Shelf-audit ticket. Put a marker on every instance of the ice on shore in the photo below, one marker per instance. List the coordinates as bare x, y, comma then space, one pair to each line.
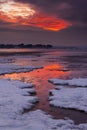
6, 60
74, 98
38, 120
11, 68
75, 81
15, 96
22, 84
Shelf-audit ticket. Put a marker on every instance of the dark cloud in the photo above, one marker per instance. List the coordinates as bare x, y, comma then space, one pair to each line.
74, 11
70, 36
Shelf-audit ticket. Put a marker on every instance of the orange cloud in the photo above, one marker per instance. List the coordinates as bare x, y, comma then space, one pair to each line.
47, 22
24, 14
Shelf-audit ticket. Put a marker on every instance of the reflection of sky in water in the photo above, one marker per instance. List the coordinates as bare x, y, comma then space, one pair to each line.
15, 50
40, 77
54, 66
49, 71
56, 63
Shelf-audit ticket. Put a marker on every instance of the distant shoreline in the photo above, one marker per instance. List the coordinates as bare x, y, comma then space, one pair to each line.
8, 46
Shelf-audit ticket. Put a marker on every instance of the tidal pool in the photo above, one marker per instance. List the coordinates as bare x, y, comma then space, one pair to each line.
56, 64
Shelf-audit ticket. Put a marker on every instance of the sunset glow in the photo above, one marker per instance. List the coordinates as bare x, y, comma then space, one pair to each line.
24, 14
54, 67
49, 71
13, 10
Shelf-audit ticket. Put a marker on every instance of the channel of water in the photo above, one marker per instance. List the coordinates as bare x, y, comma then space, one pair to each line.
42, 86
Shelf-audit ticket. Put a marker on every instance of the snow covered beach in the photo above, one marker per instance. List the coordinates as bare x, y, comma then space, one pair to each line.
74, 98
16, 96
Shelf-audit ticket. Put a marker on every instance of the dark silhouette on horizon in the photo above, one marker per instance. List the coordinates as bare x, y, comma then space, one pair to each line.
25, 46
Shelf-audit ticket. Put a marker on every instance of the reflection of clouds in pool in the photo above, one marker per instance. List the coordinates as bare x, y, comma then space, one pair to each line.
40, 74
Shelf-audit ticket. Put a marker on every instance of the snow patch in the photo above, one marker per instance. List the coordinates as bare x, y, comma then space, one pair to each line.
11, 68
75, 81
74, 98
14, 99
38, 120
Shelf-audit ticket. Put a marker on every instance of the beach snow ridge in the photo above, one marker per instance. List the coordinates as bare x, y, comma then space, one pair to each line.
66, 97
15, 97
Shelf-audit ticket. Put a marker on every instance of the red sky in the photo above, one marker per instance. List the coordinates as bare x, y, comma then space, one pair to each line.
54, 22
24, 14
